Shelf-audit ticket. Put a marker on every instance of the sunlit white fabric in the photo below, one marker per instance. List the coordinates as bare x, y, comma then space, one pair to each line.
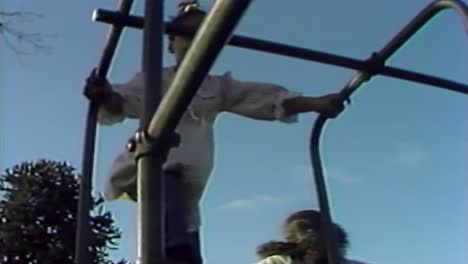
195, 154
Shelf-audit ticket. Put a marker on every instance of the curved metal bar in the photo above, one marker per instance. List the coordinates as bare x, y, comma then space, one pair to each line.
83, 231
361, 77
459, 6
404, 35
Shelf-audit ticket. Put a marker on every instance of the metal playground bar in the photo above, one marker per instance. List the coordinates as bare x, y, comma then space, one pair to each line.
162, 114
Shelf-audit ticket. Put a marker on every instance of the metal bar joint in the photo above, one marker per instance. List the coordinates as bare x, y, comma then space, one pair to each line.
144, 145
376, 65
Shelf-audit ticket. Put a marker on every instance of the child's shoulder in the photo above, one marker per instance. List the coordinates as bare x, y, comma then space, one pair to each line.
138, 78
169, 71
221, 75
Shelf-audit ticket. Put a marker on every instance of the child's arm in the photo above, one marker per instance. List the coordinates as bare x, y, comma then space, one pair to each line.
329, 105
125, 101
116, 101
266, 101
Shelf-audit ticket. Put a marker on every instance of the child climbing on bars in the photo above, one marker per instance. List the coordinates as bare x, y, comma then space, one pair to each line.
188, 166
303, 243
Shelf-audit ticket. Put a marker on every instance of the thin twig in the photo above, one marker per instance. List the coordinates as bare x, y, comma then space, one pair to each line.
19, 40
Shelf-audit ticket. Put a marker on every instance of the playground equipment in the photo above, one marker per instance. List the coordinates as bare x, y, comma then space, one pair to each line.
161, 116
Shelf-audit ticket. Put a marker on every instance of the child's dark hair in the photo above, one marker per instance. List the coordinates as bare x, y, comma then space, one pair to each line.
302, 232
187, 9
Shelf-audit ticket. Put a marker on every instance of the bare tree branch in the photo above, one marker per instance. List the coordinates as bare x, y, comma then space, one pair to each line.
24, 15
20, 41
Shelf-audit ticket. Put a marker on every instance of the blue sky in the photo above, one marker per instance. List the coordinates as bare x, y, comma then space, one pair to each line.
396, 159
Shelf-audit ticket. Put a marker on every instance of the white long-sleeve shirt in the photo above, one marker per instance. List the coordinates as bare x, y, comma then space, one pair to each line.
195, 154
280, 259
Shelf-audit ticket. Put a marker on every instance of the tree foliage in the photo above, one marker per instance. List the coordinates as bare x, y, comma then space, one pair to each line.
38, 216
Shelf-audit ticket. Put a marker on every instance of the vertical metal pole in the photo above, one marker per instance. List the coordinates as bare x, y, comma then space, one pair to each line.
213, 34
83, 229
150, 179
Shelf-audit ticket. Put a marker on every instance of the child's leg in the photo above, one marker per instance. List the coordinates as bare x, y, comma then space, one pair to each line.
196, 248
181, 246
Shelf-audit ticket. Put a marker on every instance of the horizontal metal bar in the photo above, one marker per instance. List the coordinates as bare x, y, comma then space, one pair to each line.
293, 51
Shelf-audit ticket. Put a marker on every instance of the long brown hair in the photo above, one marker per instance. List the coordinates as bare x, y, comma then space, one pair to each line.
301, 231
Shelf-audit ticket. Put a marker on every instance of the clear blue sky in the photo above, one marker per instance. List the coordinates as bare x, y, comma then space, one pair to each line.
396, 159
